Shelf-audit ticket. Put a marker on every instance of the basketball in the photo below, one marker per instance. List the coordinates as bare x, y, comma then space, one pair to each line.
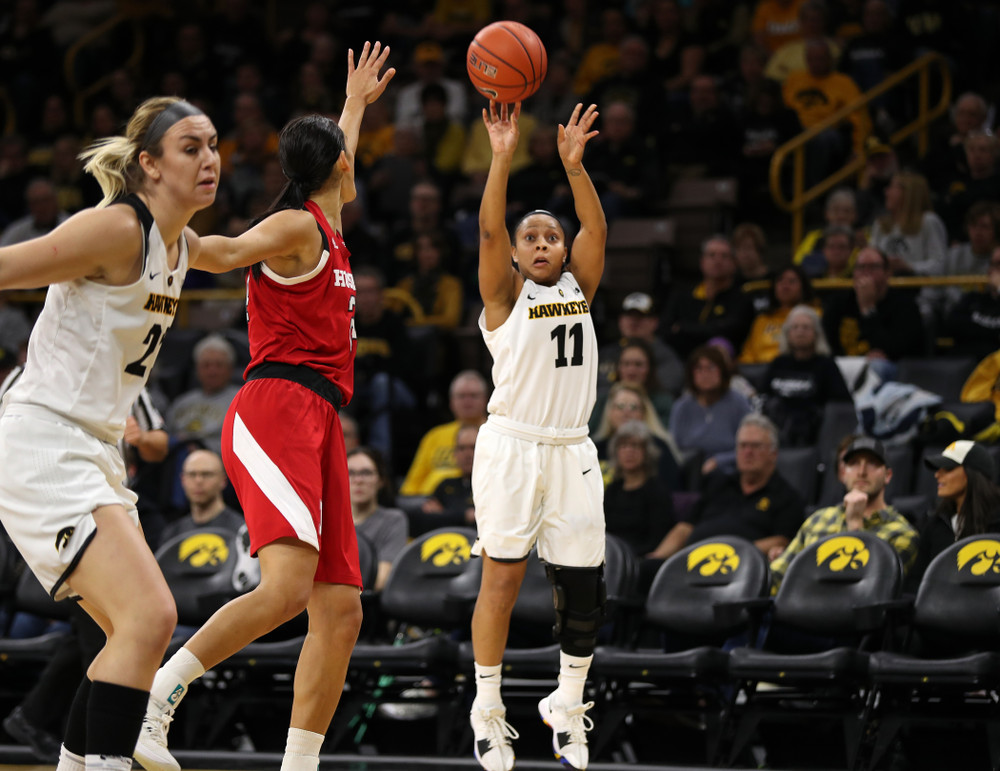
507, 61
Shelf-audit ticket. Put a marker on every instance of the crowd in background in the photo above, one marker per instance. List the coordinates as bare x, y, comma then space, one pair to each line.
685, 88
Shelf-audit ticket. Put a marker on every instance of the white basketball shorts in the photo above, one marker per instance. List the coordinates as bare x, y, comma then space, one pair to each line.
54, 475
529, 491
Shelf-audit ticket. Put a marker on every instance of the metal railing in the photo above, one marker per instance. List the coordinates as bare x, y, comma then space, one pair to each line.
795, 147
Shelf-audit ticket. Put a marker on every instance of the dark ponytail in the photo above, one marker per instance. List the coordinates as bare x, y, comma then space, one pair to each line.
308, 148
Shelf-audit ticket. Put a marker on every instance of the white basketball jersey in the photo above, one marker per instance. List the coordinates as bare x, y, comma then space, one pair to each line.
545, 357
93, 345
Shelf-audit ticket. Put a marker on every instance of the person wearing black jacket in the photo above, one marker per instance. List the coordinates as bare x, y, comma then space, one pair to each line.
874, 321
801, 379
974, 322
968, 502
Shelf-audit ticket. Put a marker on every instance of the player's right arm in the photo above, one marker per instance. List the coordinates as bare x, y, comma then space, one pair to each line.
499, 283
100, 244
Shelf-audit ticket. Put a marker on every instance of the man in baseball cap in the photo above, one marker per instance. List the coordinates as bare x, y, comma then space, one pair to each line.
639, 319
968, 455
865, 475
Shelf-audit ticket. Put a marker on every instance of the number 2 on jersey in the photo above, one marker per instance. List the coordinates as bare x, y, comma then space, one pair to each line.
559, 335
137, 367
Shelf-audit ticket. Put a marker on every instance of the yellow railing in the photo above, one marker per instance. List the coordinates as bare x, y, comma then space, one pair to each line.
796, 147
129, 12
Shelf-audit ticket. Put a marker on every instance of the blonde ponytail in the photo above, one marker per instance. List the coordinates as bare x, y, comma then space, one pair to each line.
109, 161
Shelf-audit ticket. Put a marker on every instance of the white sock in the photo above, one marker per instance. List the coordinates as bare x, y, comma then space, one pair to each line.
488, 686
108, 763
174, 677
301, 750
70, 761
572, 678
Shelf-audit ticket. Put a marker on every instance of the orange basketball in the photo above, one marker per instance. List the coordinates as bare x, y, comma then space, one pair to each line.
507, 61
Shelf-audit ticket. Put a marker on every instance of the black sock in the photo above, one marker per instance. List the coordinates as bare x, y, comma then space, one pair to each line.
75, 738
114, 717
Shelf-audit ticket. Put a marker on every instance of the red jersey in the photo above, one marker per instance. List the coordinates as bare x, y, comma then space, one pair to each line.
307, 320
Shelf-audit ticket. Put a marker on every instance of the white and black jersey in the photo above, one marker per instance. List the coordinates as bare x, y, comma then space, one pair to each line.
93, 346
545, 357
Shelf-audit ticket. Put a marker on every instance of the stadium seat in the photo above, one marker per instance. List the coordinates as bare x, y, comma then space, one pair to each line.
942, 375
830, 610
949, 669
799, 467
690, 603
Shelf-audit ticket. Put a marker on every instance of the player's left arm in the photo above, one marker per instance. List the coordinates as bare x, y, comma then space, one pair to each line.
587, 259
364, 86
283, 236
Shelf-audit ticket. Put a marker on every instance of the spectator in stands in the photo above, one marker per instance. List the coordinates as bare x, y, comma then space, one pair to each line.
968, 257
715, 307
555, 98
740, 86
385, 527
910, 233
623, 164
700, 136
600, 59
968, 502
946, 159
15, 174
639, 320
203, 479
383, 357
677, 55
429, 67
43, 215
451, 502
980, 183
542, 179
749, 248
625, 402
637, 503
198, 414
637, 365
636, 83
438, 292
791, 56
801, 379
755, 502
426, 215
74, 189
350, 428
874, 321
816, 94
704, 421
881, 165
435, 459
974, 322
835, 256
789, 288
393, 176
875, 54
442, 137
866, 474
723, 27
763, 125
841, 209
776, 22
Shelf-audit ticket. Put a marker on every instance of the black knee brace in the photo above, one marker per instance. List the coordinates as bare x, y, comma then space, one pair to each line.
579, 595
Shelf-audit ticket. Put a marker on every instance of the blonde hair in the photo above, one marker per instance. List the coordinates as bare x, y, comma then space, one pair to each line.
114, 161
649, 416
916, 194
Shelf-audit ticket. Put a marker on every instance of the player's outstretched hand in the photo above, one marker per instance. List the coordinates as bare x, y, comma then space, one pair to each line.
576, 133
502, 127
364, 80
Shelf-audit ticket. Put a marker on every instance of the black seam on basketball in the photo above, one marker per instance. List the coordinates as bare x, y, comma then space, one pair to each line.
531, 60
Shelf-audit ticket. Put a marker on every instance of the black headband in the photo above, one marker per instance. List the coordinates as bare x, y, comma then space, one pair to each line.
167, 118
